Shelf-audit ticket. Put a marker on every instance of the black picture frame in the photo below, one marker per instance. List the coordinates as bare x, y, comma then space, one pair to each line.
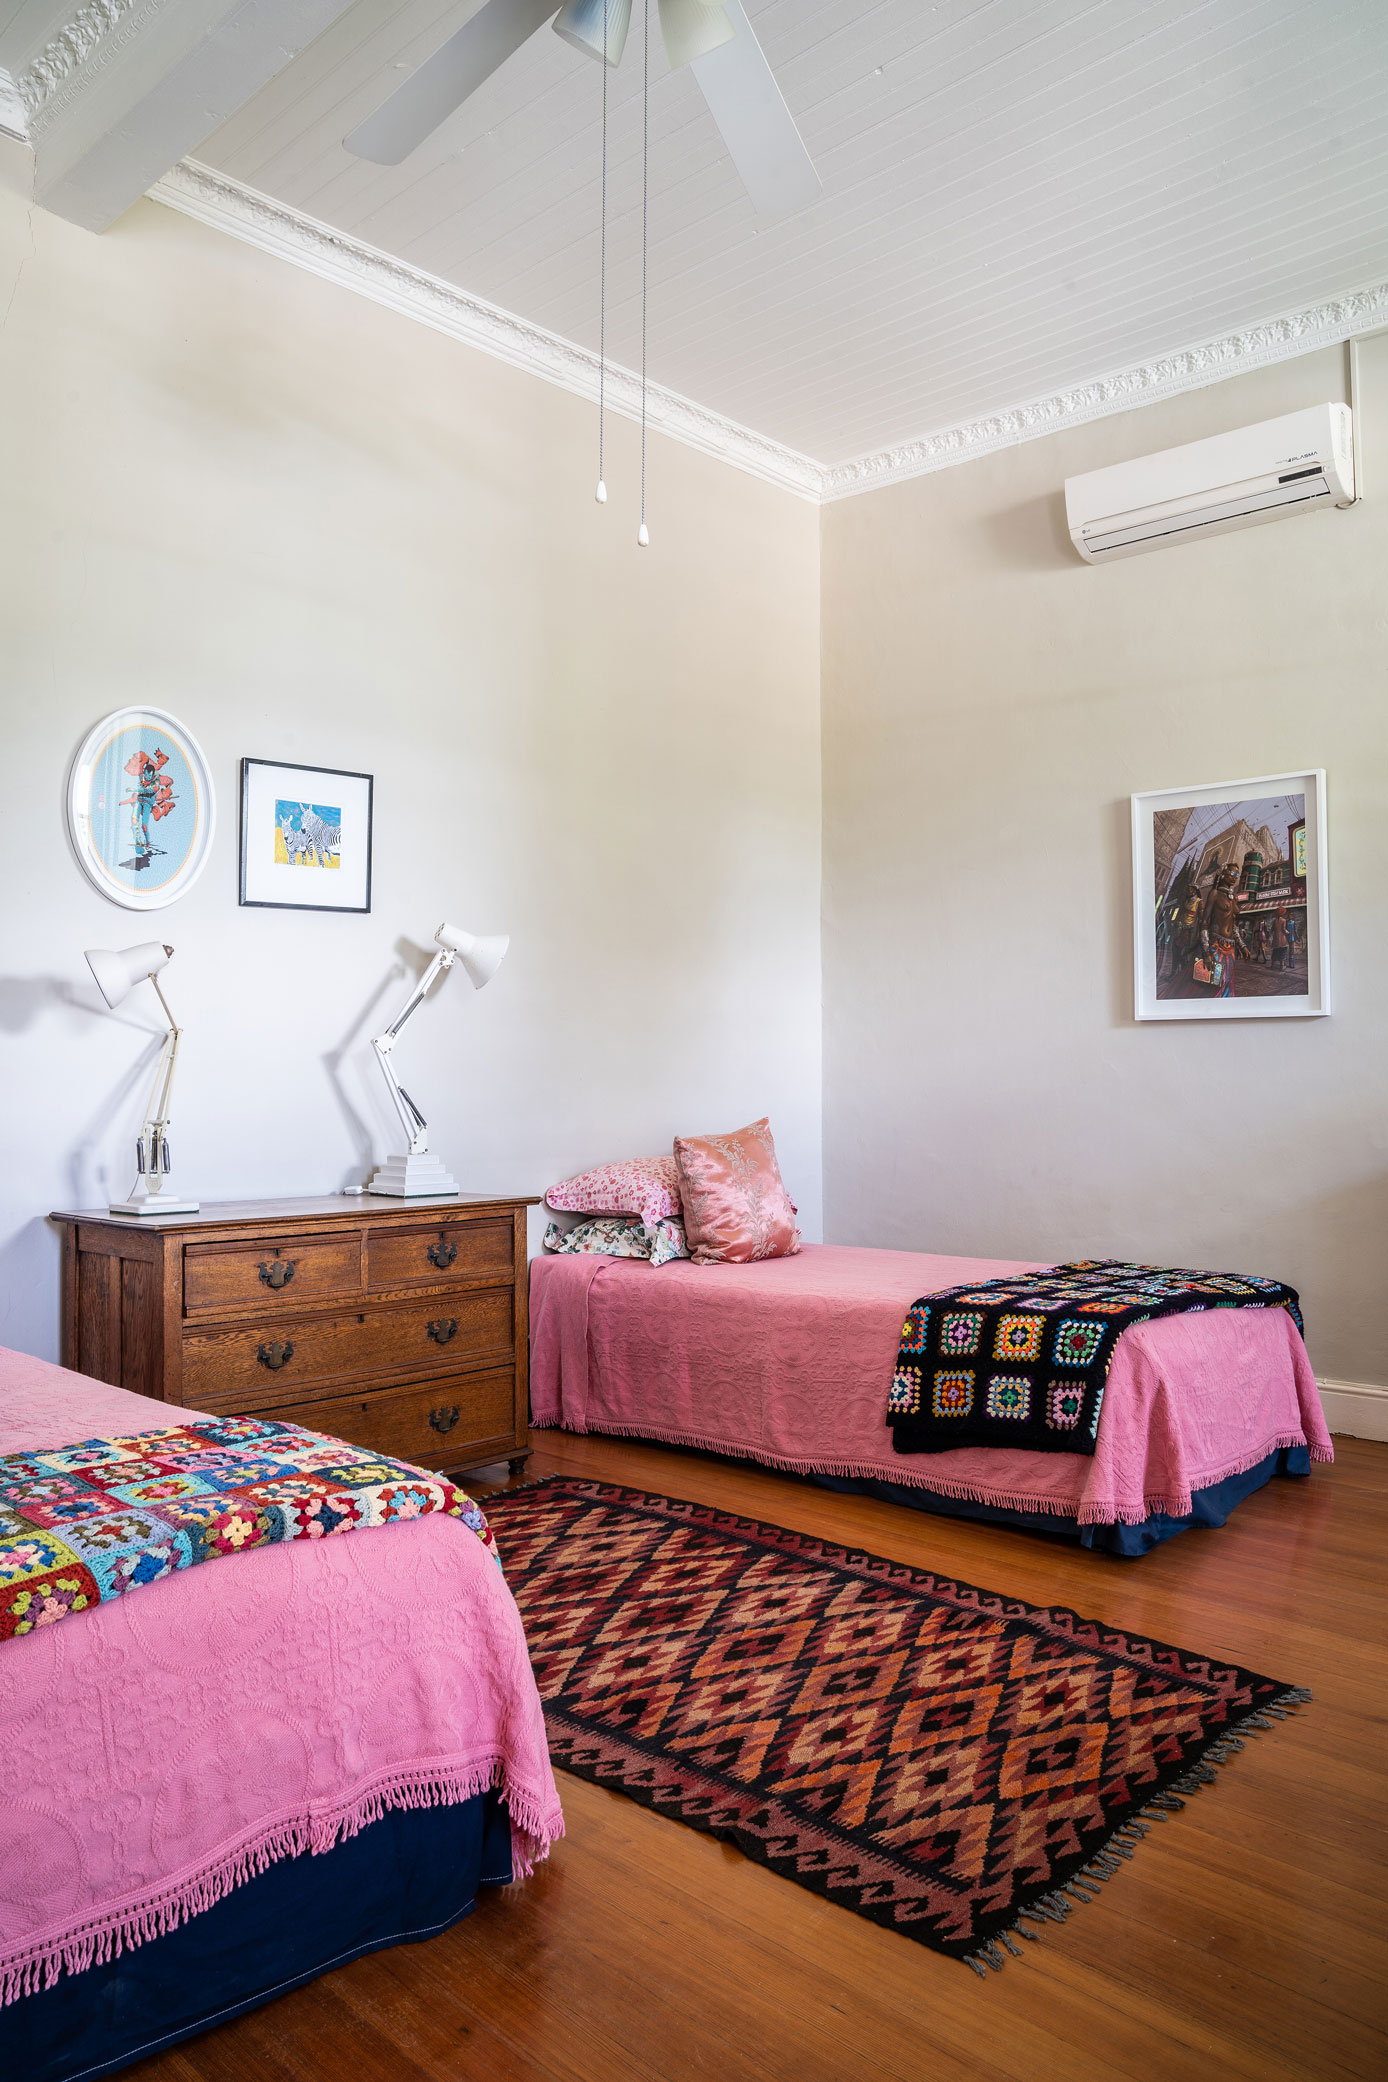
320, 773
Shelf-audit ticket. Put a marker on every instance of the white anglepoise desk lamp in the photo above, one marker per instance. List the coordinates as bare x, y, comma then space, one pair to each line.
116, 975
419, 1174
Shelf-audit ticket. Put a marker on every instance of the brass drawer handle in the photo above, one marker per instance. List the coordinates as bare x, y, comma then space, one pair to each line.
276, 1354
443, 1328
278, 1273
443, 1253
444, 1420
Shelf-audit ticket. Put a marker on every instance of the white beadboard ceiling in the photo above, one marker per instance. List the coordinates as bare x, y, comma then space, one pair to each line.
1019, 195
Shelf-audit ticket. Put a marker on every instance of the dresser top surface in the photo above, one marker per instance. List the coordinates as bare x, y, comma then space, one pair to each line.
343, 1207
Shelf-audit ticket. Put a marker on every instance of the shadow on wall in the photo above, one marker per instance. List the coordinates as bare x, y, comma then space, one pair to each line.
376, 1012
29, 1263
1118, 901
89, 1181
1033, 536
1348, 1224
23, 998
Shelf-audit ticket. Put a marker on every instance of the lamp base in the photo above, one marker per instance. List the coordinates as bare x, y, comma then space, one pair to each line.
159, 1204
420, 1176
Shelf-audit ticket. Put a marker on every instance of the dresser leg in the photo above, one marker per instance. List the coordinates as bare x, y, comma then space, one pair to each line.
516, 1464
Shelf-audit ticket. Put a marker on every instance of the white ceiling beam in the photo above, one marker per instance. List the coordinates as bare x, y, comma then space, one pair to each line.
123, 89
13, 120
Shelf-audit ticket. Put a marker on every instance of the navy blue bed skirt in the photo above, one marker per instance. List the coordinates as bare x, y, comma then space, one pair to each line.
1209, 1507
406, 1877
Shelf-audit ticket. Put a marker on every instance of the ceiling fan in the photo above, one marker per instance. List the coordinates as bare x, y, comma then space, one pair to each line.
713, 37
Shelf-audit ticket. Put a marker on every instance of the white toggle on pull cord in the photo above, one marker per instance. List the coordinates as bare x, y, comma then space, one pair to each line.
643, 533
602, 275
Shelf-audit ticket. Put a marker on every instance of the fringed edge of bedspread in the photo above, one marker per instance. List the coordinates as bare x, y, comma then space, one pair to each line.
39, 1963
1091, 1512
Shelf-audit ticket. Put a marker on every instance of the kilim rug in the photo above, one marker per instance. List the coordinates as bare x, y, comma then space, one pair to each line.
956, 1765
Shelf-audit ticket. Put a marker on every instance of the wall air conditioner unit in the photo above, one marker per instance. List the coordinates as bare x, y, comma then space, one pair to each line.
1290, 465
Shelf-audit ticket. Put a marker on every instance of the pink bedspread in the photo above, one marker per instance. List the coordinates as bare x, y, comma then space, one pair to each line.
789, 1361
160, 1749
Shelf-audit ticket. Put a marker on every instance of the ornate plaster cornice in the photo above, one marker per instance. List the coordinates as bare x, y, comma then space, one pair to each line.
215, 199
85, 46
1274, 339
228, 205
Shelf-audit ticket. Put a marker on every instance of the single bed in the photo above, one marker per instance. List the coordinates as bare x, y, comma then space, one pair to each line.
788, 1362
235, 1778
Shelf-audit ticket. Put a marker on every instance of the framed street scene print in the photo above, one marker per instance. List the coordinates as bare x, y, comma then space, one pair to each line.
140, 808
305, 837
1231, 916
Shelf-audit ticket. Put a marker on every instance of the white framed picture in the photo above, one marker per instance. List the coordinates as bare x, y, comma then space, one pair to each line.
305, 837
1231, 910
141, 808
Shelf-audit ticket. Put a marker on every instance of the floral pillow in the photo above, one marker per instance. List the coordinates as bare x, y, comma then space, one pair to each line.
643, 1186
735, 1207
621, 1237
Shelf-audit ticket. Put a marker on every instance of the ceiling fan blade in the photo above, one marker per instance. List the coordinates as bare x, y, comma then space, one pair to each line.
758, 129
444, 81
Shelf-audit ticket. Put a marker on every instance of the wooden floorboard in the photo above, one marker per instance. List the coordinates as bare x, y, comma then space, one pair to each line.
1247, 1938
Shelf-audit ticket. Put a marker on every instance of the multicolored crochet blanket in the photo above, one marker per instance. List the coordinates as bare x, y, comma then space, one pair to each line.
1022, 1360
86, 1523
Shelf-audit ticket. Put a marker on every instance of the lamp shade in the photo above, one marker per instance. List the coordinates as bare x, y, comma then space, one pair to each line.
117, 974
691, 29
481, 954
580, 23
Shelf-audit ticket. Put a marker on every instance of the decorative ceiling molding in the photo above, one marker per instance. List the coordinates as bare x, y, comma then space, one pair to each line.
259, 221
85, 46
1192, 368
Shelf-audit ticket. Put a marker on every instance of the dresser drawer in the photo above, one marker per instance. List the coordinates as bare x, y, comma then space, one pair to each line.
436, 1253
439, 1424
240, 1366
262, 1275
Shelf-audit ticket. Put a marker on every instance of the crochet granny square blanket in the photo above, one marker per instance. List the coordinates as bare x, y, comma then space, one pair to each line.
1022, 1360
86, 1523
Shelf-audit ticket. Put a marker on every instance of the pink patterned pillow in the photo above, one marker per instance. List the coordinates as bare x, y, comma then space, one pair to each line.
644, 1186
735, 1206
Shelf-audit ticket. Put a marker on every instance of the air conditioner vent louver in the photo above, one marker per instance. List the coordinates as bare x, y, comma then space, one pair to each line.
1235, 480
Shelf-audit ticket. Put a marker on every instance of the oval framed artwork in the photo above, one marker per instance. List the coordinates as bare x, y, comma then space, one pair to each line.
140, 808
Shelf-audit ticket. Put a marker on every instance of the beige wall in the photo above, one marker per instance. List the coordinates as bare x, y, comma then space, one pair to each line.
317, 532
990, 702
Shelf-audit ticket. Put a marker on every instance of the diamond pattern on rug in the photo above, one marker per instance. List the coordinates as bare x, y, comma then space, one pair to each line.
953, 1764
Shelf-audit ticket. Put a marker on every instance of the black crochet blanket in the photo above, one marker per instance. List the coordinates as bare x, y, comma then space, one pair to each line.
1022, 1360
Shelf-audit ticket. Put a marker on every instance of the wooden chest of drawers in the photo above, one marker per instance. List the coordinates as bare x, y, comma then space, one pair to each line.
399, 1326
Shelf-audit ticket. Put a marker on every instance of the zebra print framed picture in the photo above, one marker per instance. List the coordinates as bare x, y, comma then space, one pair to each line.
305, 837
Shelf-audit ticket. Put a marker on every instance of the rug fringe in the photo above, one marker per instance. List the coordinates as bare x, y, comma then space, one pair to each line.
1084, 1885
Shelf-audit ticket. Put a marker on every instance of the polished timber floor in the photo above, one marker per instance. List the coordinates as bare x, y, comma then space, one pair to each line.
1248, 1938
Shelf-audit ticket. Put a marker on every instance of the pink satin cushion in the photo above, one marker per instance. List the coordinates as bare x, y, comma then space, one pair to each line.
735, 1206
644, 1186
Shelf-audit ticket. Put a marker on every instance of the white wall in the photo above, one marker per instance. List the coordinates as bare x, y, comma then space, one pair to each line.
317, 532
990, 702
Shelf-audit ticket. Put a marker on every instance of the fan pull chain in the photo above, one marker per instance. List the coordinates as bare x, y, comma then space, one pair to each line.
602, 277
643, 533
